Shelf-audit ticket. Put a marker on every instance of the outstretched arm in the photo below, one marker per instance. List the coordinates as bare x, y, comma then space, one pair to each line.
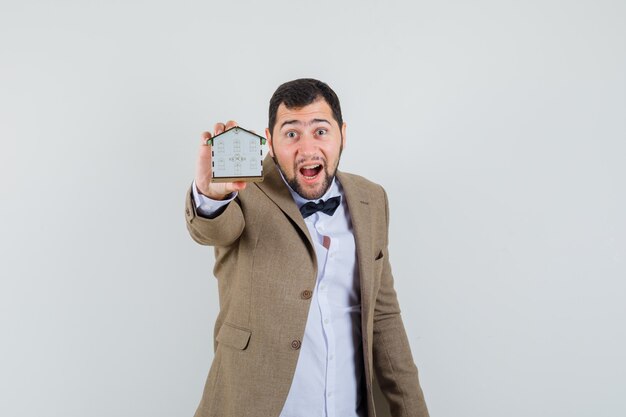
225, 225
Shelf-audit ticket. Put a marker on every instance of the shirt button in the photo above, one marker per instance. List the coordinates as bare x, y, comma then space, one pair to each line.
306, 294
322, 287
330, 394
326, 321
331, 357
295, 344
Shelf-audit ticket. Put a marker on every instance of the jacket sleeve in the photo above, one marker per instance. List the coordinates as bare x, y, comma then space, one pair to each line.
222, 230
395, 369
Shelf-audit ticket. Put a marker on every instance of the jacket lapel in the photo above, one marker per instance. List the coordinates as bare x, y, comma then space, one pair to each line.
274, 187
358, 201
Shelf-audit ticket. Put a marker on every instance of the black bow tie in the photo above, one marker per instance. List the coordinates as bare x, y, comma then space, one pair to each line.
327, 207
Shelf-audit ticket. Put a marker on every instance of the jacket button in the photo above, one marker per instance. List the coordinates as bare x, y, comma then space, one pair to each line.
296, 344
187, 212
306, 294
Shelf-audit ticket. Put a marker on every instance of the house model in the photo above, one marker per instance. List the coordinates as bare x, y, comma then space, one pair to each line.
237, 156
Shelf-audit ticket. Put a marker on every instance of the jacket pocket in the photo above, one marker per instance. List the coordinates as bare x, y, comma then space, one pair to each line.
378, 265
235, 337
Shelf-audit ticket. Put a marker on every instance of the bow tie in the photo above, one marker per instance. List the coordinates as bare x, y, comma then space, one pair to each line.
327, 207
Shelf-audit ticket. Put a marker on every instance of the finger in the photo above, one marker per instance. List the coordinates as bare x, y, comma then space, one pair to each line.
230, 124
205, 138
236, 186
204, 153
218, 128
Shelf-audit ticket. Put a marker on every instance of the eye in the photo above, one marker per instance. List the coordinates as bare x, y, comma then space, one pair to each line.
321, 132
291, 134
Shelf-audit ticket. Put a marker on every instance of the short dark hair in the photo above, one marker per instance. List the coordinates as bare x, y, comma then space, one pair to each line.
302, 92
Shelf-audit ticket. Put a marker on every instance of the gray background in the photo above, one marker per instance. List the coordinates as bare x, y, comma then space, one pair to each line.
497, 127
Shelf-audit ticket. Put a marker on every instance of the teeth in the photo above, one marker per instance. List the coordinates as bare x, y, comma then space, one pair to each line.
307, 167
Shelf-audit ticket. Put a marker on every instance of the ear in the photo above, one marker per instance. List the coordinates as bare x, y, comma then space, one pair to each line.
268, 136
343, 135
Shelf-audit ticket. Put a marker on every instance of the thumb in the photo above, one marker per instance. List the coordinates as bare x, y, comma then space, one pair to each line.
239, 185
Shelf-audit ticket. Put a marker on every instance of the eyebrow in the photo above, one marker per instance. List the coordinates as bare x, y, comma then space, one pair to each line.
298, 122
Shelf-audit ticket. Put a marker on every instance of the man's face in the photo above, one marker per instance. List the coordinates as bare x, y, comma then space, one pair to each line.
306, 144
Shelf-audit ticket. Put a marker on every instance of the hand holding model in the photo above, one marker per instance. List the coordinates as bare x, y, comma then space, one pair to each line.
214, 190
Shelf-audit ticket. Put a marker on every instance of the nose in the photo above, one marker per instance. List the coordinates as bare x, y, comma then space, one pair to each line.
308, 146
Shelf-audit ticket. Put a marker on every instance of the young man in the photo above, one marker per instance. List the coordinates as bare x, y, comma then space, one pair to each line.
307, 306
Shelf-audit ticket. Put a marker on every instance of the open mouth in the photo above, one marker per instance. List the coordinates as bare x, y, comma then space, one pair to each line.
309, 172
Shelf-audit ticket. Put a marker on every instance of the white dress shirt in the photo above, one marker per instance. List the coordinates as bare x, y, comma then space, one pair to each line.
328, 381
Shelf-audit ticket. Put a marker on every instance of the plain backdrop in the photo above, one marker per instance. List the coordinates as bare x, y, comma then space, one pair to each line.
498, 129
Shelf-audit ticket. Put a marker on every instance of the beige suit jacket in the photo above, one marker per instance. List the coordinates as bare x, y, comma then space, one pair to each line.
266, 268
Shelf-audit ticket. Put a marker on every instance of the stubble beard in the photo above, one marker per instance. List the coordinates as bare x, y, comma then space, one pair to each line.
298, 188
